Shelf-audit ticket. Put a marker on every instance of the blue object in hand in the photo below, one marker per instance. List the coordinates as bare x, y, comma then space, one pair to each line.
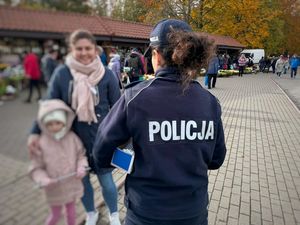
123, 159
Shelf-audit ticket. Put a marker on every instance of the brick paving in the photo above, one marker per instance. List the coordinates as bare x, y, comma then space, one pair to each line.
259, 182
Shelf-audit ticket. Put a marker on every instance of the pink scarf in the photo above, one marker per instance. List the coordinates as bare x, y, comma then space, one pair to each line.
86, 77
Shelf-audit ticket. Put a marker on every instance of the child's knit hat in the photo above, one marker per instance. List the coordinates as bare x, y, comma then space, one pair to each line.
56, 115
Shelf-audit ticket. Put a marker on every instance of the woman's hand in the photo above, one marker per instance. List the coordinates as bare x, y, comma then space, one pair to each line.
33, 145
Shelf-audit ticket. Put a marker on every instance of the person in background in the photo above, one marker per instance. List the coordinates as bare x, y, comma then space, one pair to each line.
33, 72
261, 64
91, 90
50, 64
175, 126
286, 65
242, 61
228, 61
221, 61
142, 57
279, 67
212, 71
294, 63
267, 64
55, 119
102, 55
136, 66
43, 65
273, 63
115, 66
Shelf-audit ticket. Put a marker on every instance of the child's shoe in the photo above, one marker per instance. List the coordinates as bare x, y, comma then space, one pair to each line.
114, 219
92, 218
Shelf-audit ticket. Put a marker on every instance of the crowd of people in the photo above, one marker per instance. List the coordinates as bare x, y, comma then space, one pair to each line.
131, 66
280, 65
84, 118
39, 71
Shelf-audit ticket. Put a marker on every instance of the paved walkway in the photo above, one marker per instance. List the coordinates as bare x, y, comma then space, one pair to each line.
259, 182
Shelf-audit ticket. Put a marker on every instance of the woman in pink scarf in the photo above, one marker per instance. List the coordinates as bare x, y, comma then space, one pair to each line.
91, 90
242, 64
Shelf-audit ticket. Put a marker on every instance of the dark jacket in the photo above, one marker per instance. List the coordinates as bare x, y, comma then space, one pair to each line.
177, 136
134, 61
61, 86
213, 66
51, 64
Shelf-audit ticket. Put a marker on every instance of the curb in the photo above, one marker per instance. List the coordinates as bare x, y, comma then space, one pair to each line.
287, 96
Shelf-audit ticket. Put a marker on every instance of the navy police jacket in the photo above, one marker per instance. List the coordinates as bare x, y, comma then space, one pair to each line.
176, 135
108, 92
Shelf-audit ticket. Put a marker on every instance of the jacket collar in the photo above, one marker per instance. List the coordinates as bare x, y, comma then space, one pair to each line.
168, 72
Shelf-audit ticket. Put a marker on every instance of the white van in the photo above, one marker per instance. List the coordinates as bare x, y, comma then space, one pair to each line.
257, 54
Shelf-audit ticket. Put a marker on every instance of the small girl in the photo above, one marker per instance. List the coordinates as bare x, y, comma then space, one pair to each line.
62, 162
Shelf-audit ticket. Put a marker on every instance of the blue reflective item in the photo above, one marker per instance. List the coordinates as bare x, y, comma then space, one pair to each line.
123, 159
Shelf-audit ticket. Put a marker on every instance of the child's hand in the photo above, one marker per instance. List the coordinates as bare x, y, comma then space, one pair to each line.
81, 172
33, 145
48, 182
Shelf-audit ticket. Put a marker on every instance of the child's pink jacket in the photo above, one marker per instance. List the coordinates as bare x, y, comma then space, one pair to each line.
59, 158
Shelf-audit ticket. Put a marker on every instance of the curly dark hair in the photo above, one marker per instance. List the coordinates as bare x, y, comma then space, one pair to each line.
189, 52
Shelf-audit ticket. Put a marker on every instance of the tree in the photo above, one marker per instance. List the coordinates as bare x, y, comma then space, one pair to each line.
30, 4
275, 43
151, 11
130, 10
99, 7
291, 16
6, 2
247, 21
80, 6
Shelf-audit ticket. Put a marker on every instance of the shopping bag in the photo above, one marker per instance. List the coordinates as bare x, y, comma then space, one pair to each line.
206, 80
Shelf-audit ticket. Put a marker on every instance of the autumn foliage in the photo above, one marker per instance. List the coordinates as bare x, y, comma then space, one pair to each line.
270, 24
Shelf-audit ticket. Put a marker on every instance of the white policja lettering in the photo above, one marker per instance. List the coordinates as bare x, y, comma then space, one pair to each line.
190, 130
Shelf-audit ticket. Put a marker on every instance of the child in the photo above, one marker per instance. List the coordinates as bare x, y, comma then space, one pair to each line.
62, 154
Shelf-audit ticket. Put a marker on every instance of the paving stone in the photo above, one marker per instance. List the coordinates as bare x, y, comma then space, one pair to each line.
289, 219
244, 220
235, 199
212, 218
278, 221
233, 221
234, 212
266, 214
222, 215
277, 210
245, 208
213, 206
255, 218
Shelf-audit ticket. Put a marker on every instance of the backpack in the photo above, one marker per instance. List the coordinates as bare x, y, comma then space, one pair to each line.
133, 63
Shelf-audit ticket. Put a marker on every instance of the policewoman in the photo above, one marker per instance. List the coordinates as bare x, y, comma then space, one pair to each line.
176, 131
